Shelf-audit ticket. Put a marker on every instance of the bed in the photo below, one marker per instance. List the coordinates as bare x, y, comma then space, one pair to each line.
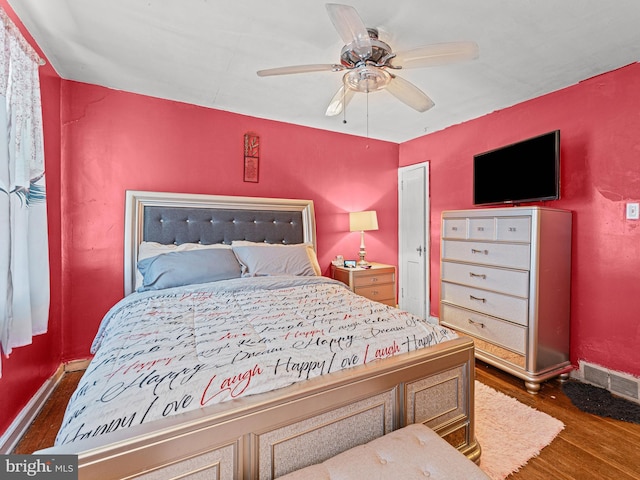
314, 369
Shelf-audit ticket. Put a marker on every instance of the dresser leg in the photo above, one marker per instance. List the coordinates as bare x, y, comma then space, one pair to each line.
532, 387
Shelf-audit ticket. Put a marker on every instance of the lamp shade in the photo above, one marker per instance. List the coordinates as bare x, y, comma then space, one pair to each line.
363, 221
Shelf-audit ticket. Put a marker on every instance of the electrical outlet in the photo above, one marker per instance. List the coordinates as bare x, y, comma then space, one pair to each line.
633, 211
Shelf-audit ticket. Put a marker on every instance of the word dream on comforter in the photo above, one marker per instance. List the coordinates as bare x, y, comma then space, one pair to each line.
166, 352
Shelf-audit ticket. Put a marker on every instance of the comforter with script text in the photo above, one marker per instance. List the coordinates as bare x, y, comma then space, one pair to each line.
165, 352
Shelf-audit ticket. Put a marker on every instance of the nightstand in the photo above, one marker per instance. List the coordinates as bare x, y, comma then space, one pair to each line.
376, 283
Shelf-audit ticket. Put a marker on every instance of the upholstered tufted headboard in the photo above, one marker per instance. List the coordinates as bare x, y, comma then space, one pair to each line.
176, 218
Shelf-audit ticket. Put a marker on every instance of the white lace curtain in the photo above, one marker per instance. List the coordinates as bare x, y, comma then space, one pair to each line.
24, 256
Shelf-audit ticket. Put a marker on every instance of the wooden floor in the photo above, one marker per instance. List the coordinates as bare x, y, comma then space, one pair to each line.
42, 432
589, 447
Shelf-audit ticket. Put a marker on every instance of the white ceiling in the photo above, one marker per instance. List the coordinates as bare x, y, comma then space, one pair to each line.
206, 52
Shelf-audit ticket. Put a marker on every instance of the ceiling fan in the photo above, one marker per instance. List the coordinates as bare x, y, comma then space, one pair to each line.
371, 64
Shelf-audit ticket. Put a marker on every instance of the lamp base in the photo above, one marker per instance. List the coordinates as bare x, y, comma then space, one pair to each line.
362, 262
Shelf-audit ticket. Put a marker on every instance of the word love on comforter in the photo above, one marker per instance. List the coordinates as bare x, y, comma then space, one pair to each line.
166, 352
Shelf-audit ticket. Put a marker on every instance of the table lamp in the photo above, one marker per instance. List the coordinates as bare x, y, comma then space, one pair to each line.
362, 222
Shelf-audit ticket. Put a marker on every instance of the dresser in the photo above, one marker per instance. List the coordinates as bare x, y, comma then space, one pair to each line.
376, 283
506, 282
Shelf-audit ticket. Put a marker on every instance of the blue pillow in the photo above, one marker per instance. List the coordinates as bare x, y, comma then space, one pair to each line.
176, 269
257, 259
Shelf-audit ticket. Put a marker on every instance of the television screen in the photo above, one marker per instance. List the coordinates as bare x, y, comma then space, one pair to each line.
526, 171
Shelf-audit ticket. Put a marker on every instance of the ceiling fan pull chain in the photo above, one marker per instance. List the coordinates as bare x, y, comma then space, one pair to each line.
367, 114
344, 100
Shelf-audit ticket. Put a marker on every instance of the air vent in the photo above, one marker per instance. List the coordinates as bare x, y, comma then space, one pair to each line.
624, 386
621, 384
596, 376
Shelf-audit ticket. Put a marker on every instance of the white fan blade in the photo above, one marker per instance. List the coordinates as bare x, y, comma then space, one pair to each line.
408, 93
300, 69
436, 54
339, 101
350, 28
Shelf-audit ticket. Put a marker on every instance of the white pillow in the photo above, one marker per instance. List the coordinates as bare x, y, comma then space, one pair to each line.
259, 259
152, 249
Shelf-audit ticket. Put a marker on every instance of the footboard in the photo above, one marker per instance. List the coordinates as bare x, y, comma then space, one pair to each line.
269, 435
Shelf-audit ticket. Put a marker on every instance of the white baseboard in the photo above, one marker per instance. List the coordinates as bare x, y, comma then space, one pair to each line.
75, 365
19, 426
27, 415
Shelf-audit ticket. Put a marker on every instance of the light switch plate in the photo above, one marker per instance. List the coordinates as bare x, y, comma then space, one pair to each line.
633, 211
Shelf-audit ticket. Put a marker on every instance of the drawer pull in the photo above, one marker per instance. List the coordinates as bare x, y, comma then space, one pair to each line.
374, 293
484, 252
478, 275
374, 279
483, 300
479, 324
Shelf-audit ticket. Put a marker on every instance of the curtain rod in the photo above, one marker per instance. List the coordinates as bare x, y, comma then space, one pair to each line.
17, 34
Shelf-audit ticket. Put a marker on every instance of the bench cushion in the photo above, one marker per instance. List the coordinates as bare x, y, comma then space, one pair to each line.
412, 452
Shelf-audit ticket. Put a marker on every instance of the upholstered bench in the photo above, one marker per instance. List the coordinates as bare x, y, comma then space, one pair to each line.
412, 452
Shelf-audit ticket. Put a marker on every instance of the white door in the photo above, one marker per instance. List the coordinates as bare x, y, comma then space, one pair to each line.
413, 239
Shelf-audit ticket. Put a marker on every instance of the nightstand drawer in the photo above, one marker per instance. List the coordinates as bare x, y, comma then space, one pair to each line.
377, 283
364, 280
379, 293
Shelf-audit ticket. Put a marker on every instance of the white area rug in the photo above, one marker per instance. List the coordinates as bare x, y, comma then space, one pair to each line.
510, 433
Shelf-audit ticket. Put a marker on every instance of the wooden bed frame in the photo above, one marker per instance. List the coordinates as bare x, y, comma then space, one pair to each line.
268, 435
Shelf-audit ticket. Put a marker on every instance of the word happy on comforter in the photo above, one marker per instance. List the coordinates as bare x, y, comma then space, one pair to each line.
166, 352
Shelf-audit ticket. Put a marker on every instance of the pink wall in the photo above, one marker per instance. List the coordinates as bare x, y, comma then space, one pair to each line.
113, 141
599, 122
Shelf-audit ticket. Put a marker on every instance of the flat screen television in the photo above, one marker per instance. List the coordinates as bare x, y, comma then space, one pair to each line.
526, 171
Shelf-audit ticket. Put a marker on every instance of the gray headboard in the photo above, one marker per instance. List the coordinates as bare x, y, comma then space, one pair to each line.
176, 218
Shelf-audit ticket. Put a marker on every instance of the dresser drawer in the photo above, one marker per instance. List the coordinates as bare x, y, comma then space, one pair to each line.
512, 282
507, 307
379, 293
454, 228
365, 280
513, 229
499, 254
493, 330
481, 228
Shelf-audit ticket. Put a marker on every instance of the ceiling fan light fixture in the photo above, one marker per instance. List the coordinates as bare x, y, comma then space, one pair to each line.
380, 53
366, 79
